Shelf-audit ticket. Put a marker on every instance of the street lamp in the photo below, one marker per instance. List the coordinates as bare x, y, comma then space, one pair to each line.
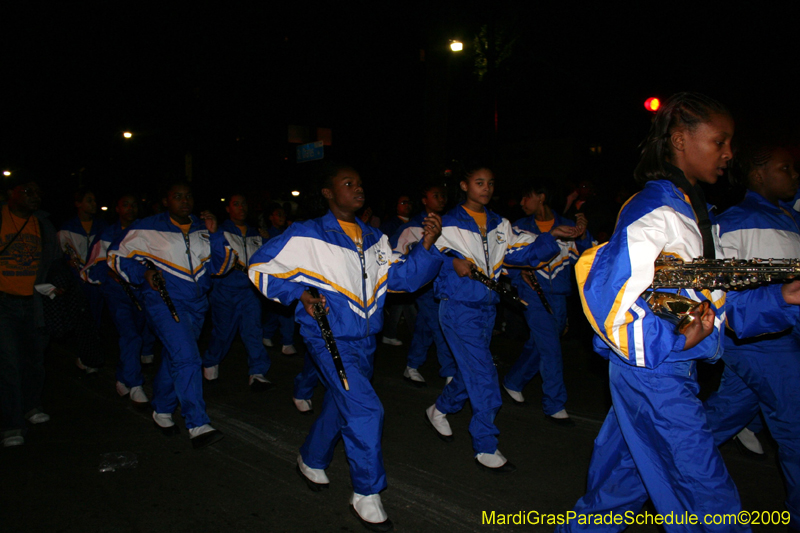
456, 46
127, 134
295, 193
6, 173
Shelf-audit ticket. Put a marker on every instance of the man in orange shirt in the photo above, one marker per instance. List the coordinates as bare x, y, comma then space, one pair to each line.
28, 248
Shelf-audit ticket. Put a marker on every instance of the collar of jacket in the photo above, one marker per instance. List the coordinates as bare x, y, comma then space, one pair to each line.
461, 213
558, 220
169, 225
231, 227
755, 198
331, 223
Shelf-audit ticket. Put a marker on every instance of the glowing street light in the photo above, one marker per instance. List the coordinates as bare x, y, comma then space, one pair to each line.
104, 208
127, 134
295, 193
6, 173
456, 46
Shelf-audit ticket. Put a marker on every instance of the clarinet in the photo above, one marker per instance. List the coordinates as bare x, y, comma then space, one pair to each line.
534, 284
127, 288
327, 335
161, 286
499, 288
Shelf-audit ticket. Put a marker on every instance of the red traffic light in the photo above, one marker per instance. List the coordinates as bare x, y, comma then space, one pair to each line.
652, 104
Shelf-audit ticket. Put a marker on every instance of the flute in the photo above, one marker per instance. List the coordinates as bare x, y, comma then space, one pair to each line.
327, 335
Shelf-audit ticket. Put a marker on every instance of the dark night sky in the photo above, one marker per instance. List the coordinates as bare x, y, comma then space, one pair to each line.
196, 79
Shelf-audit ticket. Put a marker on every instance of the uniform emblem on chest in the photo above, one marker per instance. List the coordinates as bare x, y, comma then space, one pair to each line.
501, 237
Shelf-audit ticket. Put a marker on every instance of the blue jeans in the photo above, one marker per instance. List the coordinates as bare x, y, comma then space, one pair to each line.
22, 348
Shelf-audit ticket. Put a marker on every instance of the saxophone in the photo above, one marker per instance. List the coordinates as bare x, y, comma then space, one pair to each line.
711, 274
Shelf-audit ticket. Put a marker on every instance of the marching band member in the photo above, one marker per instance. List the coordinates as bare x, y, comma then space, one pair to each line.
135, 339
542, 351
352, 266
77, 237
478, 238
186, 251
235, 304
655, 442
426, 328
762, 374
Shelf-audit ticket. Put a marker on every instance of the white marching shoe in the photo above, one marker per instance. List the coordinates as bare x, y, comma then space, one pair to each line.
315, 478
369, 510
211, 373
138, 395
514, 395
288, 349
266, 342
304, 406
413, 376
750, 441
164, 423
203, 436
496, 462
122, 389
438, 421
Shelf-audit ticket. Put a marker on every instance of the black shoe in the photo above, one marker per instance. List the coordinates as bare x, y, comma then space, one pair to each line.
316, 487
446, 438
386, 525
563, 422
168, 431
507, 467
260, 386
417, 384
206, 439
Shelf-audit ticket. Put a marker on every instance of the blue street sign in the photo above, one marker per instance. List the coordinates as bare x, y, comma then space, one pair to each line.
310, 152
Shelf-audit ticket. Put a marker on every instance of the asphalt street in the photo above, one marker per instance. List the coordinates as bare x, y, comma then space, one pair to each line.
247, 482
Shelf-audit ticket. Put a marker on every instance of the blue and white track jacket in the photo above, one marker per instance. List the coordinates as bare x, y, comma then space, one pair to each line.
462, 238
318, 253
755, 228
72, 235
244, 246
611, 278
556, 276
186, 261
96, 269
408, 234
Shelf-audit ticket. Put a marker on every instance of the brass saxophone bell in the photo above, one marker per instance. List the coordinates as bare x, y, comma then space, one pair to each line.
672, 307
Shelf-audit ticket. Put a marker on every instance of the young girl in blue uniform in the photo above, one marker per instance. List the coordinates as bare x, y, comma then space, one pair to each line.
542, 351
352, 266
475, 237
655, 442
763, 374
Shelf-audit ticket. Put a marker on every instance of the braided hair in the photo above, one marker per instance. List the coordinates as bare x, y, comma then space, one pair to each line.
681, 110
